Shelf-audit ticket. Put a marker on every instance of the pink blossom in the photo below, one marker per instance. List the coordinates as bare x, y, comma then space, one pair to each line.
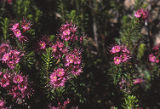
60, 72
117, 60
81, 39
54, 48
4, 82
17, 33
12, 58
15, 26
53, 77
2, 103
9, 2
152, 58
26, 25
115, 49
125, 50
57, 81
17, 79
66, 32
145, 14
76, 70
5, 57
157, 60
59, 44
59, 49
22, 86
73, 57
156, 47
66, 102
1, 73
138, 14
138, 81
23, 39
42, 45
4, 47
69, 59
141, 14
124, 57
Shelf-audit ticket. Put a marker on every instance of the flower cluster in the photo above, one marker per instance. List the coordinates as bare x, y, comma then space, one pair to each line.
58, 78
2, 104
121, 54
154, 56
43, 43
5, 80
71, 58
73, 62
4, 47
16, 85
141, 13
138, 81
61, 106
59, 49
19, 28
68, 33
9, 56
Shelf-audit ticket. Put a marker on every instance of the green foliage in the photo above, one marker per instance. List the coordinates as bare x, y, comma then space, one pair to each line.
29, 59
130, 102
131, 32
5, 25
21, 8
76, 15
141, 50
47, 60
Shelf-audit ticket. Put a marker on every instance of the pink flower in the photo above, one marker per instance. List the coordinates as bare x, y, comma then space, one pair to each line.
81, 39
4, 82
59, 44
137, 81
53, 77
73, 57
138, 14
17, 33
26, 25
144, 14
9, 2
15, 27
5, 57
76, 70
124, 57
22, 86
125, 50
57, 81
1, 73
17, 79
69, 59
42, 45
157, 60
23, 39
66, 32
115, 49
60, 72
156, 47
66, 102
54, 48
4, 48
2, 103
12, 58
141, 14
117, 60
152, 58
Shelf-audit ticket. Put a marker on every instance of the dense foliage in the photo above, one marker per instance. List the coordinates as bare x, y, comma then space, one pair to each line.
79, 54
